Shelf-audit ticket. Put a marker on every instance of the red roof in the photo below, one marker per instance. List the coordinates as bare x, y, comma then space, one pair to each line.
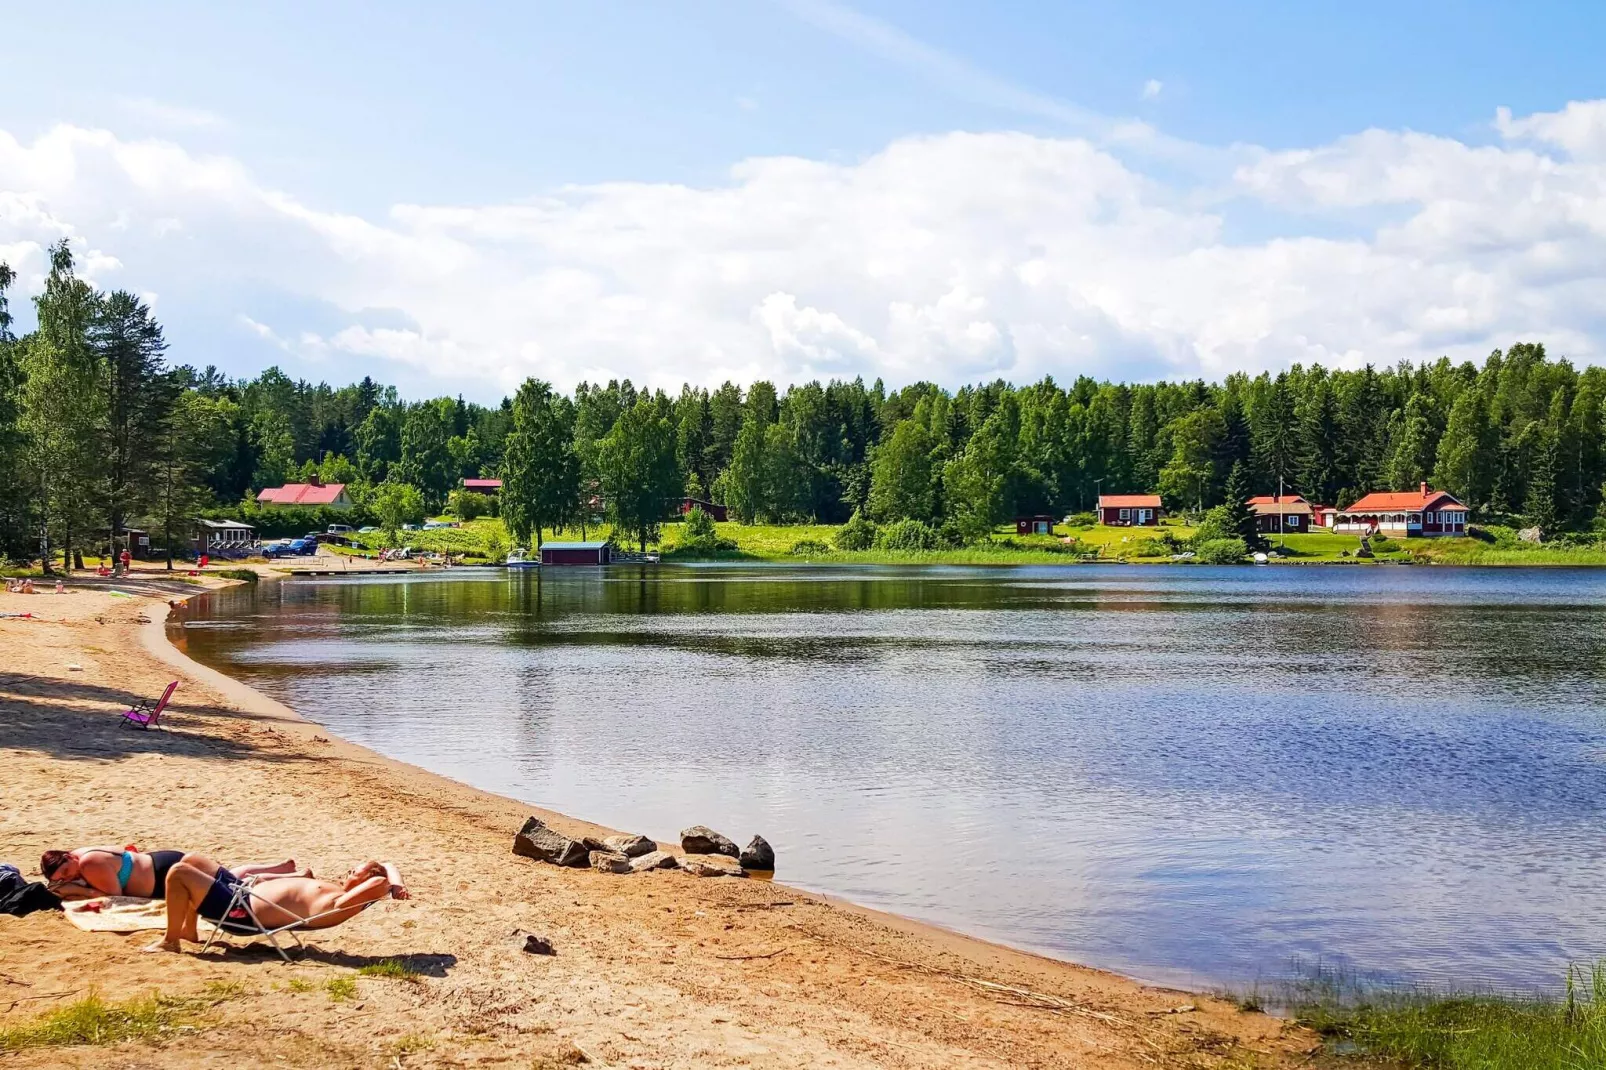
482, 484
1405, 500
1127, 501
302, 494
1272, 499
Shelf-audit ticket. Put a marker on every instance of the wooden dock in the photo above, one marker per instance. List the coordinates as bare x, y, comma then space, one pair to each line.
354, 571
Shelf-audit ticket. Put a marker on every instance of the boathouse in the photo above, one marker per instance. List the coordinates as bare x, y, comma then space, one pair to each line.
598, 552
1042, 524
1406, 514
1129, 510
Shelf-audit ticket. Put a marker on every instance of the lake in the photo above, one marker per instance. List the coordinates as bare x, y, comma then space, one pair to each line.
1191, 775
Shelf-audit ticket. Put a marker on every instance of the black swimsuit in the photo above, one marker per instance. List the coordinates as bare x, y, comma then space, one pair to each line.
161, 862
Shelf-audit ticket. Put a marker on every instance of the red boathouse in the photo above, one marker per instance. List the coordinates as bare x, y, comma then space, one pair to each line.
576, 553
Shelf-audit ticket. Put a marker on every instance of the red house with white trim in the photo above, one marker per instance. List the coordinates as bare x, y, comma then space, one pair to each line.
1404, 514
1129, 510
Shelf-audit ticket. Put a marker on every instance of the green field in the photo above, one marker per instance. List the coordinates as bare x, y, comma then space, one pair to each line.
776, 542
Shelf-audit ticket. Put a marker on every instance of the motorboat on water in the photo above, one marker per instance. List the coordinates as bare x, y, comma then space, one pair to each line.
519, 557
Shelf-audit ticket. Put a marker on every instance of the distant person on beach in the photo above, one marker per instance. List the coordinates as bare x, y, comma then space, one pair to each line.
197, 887
90, 872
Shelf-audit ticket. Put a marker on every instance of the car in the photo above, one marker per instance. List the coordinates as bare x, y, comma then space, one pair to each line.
367, 529
409, 527
432, 525
339, 529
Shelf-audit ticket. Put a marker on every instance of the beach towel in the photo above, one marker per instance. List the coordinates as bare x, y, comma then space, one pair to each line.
121, 914
18, 896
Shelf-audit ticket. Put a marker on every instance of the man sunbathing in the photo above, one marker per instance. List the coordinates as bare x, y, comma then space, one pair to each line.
199, 887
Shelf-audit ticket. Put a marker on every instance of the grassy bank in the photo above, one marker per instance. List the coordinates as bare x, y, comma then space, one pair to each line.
1461, 1031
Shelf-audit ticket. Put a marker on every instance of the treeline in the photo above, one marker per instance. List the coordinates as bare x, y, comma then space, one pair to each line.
97, 429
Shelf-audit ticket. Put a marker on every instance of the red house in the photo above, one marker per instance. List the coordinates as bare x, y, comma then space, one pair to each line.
1404, 514
1129, 510
306, 495
1278, 514
714, 510
492, 487
1042, 524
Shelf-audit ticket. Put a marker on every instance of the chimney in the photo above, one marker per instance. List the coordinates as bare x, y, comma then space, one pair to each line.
1424, 488
316, 481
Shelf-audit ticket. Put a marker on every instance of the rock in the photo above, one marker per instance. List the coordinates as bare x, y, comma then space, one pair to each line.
758, 855
712, 866
535, 840
592, 843
653, 860
610, 862
630, 846
1533, 535
702, 840
538, 945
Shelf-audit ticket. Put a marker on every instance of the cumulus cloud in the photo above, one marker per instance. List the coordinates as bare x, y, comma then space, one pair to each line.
952, 257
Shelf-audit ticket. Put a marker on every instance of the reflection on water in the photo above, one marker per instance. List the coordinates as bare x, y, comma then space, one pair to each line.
1191, 775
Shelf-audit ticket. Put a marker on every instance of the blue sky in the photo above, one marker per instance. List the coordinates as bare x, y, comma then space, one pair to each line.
356, 108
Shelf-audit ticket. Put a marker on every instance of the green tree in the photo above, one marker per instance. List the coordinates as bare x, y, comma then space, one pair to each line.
426, 459
540, 470
395, 504
1188, 475
640, 477
140, 395
979, 483
902, 480
1467, 450
1411, 444
16, 498
1240, 520
63, 405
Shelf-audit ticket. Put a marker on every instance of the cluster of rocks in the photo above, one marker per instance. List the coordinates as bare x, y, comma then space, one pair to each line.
707, 853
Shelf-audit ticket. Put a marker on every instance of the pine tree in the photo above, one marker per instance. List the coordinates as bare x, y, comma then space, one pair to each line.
1242, 519
540, 471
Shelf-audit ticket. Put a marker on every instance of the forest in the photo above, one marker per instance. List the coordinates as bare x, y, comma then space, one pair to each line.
101, 429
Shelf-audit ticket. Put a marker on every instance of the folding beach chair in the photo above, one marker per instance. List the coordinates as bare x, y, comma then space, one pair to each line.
240, 919
143, 715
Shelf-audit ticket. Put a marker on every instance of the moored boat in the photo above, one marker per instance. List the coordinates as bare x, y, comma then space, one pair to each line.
519, 557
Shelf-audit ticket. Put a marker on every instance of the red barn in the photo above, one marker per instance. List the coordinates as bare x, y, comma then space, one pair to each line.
1404, 514
1129, 510
576, 553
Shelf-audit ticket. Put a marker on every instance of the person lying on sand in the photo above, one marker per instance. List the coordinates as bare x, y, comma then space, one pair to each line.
197, 887
90, 872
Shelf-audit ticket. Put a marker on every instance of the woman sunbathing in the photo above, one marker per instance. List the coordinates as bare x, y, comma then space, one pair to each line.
90, 872
197, 887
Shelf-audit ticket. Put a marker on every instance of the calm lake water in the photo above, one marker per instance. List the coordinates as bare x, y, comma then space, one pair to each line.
1191, 775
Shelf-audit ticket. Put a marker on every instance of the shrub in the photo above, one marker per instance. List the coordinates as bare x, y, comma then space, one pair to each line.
1479, 533
245, 575
808, 548
468, 504
907, 535
1217, 524
1152, 548
859, 533
1082, 520
699, 537
1221, 551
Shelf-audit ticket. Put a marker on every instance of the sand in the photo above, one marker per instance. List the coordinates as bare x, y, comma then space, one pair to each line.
651, 970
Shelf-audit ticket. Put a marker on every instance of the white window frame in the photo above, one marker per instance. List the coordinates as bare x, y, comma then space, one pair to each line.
1292, 521
1126, 515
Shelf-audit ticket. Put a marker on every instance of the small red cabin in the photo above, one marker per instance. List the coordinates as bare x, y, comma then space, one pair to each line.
1034, 525
711, 508
576, 553
490, 487
1129, 510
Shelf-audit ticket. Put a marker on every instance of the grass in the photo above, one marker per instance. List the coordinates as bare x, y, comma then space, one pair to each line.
411, 1044
1460, 1031
341, 989
300, 984
390, 969
92, 1020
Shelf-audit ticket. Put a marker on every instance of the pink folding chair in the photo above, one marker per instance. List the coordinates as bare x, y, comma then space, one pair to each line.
143, 715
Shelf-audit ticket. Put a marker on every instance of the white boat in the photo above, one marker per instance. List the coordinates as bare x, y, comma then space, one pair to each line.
519, 557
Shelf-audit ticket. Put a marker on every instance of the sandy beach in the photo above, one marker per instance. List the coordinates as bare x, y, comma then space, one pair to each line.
651, 970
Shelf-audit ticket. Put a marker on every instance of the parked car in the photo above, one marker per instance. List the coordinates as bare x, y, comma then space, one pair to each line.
409, 527
367, 529
432, 525
340, 529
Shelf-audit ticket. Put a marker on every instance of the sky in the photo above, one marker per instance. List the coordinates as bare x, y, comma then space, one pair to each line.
454, 197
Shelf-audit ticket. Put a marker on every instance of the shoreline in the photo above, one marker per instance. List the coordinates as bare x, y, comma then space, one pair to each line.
659, 969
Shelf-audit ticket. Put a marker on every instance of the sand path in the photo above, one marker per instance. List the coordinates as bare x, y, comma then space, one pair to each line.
656, 970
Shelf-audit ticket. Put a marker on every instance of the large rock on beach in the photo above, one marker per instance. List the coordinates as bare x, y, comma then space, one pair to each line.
544, 844
711, 865
757, 855
702, 840
653, 860
630, 846
609, 862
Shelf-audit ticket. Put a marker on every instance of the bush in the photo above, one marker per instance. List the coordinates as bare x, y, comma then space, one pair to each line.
1216, 525
1082, 520
699, 537
468, 504
1221, 551
245, 575
859, 533
1481, 534
908, 535
1152, 548
808, 548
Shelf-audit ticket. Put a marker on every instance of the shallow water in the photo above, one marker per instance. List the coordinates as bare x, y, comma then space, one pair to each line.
1192, 775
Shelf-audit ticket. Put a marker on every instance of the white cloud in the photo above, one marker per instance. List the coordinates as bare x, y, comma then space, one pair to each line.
1151, 89
1579, 128
951, 257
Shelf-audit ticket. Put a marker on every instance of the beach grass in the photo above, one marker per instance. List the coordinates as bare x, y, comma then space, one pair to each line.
1460, 1030
390, 969
93, 1021
341, 989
